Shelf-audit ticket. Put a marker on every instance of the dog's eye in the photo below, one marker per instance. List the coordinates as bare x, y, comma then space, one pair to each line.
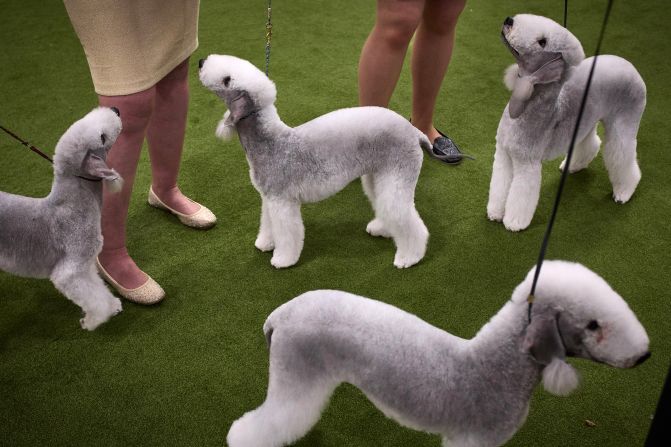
542, 42
103, 138
593, 325
227, 81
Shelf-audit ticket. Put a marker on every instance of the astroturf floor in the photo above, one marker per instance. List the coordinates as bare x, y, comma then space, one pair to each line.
181, 372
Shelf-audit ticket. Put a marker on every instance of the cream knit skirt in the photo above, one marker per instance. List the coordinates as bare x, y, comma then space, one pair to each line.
130, 45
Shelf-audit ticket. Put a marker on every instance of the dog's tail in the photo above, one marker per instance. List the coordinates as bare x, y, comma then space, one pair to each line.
424, 141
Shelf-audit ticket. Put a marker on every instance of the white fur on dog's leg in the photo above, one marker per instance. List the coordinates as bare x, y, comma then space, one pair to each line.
619, 156
288, 231
502, 174
376, 228
523, 195
264, 240
395, 207
583, 153
83, 286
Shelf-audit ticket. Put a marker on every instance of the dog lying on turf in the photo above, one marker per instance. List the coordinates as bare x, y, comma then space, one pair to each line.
58, 237
474, 393
547, 86
308, 163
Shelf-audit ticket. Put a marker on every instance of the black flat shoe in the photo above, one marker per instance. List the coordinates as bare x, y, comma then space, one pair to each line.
445, 150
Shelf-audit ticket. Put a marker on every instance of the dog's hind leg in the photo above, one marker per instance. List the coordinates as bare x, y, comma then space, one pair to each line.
523, 195
395, 199
292, 407
583, 152
82, 285
264, 240
375, 227
502, 174
619, 156
287, 230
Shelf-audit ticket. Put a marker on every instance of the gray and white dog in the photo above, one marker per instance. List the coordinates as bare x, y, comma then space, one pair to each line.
474, 393
308, 163
547, 83
58, 236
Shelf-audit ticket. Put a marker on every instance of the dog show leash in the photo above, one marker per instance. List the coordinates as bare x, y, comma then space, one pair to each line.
269, 35
40, 153
26, 144
567, 163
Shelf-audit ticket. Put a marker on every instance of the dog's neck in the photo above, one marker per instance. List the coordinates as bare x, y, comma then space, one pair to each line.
258, 130
79, 191
498, 347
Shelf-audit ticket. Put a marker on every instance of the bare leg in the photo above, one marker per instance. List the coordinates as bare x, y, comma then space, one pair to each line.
165, 136
432, 51
135, 112
383, 53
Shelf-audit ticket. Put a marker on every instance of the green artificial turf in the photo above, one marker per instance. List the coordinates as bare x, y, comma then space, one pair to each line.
181, 372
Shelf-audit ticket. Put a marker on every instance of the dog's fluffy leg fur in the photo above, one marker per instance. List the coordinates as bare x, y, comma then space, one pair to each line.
292, 407
287, 230
375, 227
264, 240
82, 285
583, 153
523, 195
619, 156
502, 175
395, 207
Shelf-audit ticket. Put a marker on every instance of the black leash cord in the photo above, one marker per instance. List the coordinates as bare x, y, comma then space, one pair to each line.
567, 164
27, 144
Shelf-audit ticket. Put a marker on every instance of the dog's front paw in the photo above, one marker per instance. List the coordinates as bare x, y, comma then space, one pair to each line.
495, 214
376, 228
516, 223
93, 319
264, 243
405, 261
281, 260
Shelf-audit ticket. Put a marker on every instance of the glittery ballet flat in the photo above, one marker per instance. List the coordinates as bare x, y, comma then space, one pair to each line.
148, 293
201, 219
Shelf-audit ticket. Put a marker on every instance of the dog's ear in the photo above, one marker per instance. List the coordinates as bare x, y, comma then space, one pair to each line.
543, 342
542, 68
240, 106
95, 167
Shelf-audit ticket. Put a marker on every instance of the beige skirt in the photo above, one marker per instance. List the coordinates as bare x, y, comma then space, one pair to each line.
130, 45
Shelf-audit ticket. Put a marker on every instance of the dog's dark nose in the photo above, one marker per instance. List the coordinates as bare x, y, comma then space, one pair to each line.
508, 21
643, 358
201, 63
115, 110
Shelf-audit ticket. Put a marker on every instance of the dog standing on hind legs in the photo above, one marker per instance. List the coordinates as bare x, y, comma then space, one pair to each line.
547, 85
58, 237
308, 163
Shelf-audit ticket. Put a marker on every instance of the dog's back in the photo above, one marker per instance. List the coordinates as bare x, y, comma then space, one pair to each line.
24, 232
617, 89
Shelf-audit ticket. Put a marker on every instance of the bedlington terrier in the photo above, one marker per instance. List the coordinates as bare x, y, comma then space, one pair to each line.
58, 236
308, 163
472, 392
547, 85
